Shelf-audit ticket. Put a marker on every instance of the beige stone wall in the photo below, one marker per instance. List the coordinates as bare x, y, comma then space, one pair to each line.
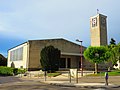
99, 32
19, 63
37, 45
95, 32
74, 60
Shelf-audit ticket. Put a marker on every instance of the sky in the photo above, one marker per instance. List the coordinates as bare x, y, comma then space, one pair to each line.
22, 20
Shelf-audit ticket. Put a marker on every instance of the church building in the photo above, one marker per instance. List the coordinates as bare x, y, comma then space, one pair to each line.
27, 55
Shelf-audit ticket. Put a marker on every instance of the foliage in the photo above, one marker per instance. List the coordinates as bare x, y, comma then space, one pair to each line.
3, 60
53, 74
115, 53
112, 73
15, 70
112, 42
18, 71
6, 71
97, 55
48, 74
21, 71
50, 57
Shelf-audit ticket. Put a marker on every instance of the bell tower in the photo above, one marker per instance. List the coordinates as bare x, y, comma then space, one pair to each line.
98, 30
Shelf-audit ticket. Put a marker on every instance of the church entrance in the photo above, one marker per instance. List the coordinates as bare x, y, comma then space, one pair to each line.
65, 63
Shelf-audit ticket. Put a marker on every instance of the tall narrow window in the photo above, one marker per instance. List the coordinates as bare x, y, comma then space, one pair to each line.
68, 62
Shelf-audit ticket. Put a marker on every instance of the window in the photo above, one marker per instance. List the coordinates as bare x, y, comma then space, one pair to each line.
62, 62
16, 55
68, 62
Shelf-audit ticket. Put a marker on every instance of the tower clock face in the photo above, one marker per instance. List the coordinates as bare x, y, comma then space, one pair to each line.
94, 22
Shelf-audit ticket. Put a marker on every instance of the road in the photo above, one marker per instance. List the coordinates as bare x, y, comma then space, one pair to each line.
14, 83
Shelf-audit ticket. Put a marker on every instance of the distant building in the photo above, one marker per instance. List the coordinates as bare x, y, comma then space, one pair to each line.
27, 55
117, 66
98, 29
3, 60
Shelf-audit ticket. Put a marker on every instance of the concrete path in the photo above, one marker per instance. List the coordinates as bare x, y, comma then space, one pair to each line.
83, 82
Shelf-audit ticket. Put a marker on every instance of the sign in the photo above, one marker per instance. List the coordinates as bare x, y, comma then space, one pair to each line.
73, 73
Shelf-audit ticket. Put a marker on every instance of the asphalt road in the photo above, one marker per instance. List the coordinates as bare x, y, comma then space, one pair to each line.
15, 83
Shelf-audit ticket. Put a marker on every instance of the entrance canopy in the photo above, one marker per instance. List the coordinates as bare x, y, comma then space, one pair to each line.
73, 54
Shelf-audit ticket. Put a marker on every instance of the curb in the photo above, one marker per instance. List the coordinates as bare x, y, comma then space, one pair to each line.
93, 87
83, 86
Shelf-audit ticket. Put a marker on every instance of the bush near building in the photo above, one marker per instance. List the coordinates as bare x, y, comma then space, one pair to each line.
8, 71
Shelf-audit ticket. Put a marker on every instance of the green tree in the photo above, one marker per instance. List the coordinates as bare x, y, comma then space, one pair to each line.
97, 55
115, 50
112, 42
50, 57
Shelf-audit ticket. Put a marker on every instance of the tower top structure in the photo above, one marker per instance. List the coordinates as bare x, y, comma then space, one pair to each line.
98, 29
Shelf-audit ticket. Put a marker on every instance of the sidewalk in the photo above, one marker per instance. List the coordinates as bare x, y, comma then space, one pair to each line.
83, 82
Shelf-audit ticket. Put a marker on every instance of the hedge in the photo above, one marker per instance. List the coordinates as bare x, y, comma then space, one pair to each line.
8, 71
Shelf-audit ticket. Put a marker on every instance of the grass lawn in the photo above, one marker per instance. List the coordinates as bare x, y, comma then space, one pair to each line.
49, 74
53, 74
112, 73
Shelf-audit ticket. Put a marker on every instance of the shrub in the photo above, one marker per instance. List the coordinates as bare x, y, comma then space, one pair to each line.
18, 71
21, 71
15, 71
6, 71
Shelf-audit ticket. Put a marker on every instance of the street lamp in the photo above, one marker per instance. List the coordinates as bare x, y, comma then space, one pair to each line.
81, 56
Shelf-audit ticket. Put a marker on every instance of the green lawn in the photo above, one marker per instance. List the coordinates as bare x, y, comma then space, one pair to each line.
53, 74
112, 73
49, 74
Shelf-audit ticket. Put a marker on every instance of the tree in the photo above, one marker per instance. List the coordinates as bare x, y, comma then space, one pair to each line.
97, 55
3, 60
115, 53
112, 42
50, 57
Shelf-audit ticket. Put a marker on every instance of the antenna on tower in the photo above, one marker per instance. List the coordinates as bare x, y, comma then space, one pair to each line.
97, 11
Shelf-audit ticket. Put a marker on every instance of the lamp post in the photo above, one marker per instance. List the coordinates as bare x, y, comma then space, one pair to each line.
81, 60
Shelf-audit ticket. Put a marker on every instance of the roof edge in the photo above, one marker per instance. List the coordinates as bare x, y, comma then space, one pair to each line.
17, 45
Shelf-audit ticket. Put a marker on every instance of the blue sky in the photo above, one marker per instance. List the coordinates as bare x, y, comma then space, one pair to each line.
22, 20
